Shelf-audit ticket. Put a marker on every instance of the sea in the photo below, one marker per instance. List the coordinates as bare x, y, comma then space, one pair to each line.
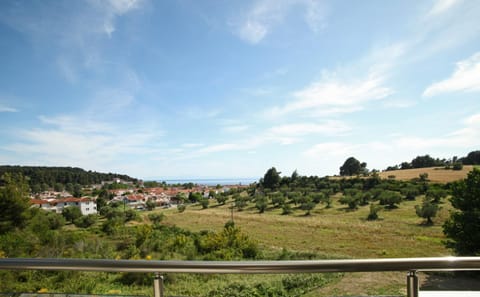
213, 181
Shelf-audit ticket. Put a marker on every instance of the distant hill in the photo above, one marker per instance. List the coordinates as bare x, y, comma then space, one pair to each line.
435, 174
50, 176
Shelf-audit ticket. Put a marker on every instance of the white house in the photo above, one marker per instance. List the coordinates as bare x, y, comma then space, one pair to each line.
87, 206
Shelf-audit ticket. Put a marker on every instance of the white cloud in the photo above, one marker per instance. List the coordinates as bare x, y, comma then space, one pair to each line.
302, 129
4, 108
264, 15
111, 9
235, 128
331, 95
465, 78
83, 142
441, 6
220, 148
328, 149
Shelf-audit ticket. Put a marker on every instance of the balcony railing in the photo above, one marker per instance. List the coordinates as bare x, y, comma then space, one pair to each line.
409, 265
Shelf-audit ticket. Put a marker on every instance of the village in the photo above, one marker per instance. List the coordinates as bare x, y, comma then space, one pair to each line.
137, 197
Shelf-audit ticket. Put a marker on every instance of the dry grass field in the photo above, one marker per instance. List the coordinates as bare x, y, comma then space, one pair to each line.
435, 174
333, 233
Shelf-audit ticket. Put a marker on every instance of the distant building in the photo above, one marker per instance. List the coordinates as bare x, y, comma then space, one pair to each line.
87, 206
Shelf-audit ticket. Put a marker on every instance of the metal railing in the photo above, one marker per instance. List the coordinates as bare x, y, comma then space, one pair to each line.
410, 265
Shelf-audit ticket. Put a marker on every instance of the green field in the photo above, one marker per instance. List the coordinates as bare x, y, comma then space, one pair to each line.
333, 233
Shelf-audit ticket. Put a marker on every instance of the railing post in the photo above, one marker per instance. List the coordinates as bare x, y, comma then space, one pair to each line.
412, 284
158, 285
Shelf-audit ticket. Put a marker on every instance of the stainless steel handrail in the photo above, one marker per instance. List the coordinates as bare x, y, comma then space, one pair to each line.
412, 265
245, 267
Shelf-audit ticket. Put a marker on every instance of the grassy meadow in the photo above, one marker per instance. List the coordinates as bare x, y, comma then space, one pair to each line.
332, 233
435, 174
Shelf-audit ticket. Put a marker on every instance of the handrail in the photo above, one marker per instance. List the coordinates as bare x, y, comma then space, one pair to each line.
244, 267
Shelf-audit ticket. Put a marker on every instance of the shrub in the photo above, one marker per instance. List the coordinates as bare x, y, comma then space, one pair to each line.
373, 214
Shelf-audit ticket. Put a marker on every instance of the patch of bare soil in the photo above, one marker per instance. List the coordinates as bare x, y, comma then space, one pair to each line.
366, 284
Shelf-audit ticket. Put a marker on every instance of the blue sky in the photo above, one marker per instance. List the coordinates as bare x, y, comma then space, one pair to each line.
209, 89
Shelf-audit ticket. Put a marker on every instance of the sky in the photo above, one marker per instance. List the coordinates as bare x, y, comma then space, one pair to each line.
226, 89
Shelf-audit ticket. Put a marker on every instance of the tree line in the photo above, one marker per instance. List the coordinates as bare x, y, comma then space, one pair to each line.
42, 178
455, 163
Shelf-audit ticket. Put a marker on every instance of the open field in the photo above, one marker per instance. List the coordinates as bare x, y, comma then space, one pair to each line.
435, 174
333, 233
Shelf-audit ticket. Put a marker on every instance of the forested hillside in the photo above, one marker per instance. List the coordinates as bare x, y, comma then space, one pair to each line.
48, 177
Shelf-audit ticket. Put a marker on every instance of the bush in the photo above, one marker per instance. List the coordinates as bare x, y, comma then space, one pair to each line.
373, 214
85, 221
181, 207
457, 166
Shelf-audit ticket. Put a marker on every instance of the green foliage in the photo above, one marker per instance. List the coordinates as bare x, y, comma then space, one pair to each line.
428, 210
390, 199
307, 206
240, 202
14, 202
277, 199
351, 199
50, 176
457, 166
436, 194
261, 203
71, 213
463, 226
353, 167
86, 221
150, 205
286, 209
271, 179
131, 215
473, 158
230, 244
373, 214
195, 197
221, 198
181, 207
204, 202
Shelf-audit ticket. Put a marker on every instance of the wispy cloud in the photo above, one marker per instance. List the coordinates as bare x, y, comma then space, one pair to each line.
330, 128
111, 9
4, 108
332, 95
465, 78
264, 15
235, 128
441, 6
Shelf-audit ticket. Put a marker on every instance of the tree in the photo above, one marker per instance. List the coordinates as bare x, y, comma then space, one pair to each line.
77, 191
307, 205
85, 221
204, 202
261, 203
373, 214
221, 199
71, 213
271, 179
150, 205
428, 210
463, 226
473, 158
352, 167
14, 202
390, 198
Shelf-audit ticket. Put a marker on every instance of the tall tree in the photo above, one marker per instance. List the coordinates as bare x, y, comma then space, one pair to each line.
463, 226
271, 179
14, 201
352, 167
